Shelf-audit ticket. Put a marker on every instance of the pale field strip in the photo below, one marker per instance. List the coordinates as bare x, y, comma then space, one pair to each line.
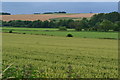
43, 17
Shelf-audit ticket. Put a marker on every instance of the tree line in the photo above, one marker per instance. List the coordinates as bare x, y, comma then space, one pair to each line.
60, 12
4, 13
99, 22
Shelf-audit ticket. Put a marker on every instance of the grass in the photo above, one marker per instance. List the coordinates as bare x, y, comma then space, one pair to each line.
66, 18
28, 29
39, 56
55, 32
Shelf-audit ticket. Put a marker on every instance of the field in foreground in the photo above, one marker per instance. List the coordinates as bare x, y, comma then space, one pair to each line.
59, 57
56, 32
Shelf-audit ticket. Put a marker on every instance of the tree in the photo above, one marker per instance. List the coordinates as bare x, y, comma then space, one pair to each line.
105, 25
78, 26
69, 35
69, 23
99, 22
116, 26
45, 24
28, 24
16, 23
113, 16
37, 24
4, 13
96, 18
52, 24
5, 23
62, 28
84, 23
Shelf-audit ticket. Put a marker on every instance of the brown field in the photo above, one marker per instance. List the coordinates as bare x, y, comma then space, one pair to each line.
42, 17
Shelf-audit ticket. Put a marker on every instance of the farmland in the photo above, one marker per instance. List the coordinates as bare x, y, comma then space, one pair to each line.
40, 56
35, 49
43, 17
56, 32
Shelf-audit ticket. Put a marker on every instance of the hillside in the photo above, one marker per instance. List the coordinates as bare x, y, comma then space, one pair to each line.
42, 17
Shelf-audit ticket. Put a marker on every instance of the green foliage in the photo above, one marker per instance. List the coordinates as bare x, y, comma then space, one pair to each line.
105, 25
36, 24
10, 31
69, 35
113, 17
99, 18
56, 32
4, 13
116, 26
62, 28
60, 12
93, 24
83, 24
96, 18
38, 56
65, 18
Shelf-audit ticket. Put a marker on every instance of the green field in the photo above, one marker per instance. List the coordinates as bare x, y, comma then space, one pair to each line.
67, 18
56, 32
41, 56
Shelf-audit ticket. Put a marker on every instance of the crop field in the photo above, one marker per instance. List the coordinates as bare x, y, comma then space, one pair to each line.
67, 18
43, 17
40, 56
56, 32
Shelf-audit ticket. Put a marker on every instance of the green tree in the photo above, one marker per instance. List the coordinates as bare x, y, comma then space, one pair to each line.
84, 23
78, 25
69, 23
116, 26
37, 24
45, 24
62, 28
113, 16
96, 18
52, 24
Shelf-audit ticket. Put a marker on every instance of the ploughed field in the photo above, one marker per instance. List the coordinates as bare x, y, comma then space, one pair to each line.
41, 56
44, 17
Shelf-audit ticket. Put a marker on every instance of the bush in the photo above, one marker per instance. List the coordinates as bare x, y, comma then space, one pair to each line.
69, 35
10, 31
62, 28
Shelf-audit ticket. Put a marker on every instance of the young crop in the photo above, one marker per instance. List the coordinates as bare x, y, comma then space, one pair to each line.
41, 56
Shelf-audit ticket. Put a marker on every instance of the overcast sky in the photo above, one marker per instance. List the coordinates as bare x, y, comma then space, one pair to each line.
60, 0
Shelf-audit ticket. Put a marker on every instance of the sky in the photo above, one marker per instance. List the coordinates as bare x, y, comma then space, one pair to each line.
60, 0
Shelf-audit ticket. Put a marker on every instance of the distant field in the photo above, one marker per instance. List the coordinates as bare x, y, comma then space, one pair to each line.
28, 29
67, 18
43, 17
48, 53
39, 56
55, 32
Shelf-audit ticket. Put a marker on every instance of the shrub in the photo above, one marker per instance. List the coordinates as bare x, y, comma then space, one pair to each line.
10, 31
62, 28
69, 35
